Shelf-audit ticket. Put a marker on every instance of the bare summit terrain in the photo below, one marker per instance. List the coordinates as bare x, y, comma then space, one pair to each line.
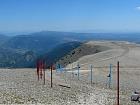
20, 86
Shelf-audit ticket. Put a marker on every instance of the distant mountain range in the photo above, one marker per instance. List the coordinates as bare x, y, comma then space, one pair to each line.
24, 50
3, 38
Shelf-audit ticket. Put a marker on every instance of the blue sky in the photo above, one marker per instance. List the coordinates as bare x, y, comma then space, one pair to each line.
70, 15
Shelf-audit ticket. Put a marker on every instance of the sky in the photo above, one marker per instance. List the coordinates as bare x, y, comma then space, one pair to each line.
70, 15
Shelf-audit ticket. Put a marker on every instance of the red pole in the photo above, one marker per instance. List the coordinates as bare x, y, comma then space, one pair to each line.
38, 69
41, 64
118, 83
51, 75
44, 67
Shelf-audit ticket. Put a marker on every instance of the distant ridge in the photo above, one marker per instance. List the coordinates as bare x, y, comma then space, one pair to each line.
22, 50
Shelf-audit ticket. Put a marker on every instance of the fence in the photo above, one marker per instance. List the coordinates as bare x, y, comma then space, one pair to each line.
107, 76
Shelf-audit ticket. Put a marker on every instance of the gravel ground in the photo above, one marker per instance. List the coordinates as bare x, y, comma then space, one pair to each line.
20, 86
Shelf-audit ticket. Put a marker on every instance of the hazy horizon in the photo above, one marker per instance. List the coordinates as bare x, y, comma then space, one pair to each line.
86, 32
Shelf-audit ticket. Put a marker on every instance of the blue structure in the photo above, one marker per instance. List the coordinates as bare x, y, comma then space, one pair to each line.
59, 68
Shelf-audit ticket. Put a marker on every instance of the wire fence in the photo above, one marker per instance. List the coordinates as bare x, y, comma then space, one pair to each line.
105, 76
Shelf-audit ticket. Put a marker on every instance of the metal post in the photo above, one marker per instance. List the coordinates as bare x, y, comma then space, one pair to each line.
78, 70
51, 75
110, 75
61, 69
57, 68
91, 72
118, 83
72, 70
